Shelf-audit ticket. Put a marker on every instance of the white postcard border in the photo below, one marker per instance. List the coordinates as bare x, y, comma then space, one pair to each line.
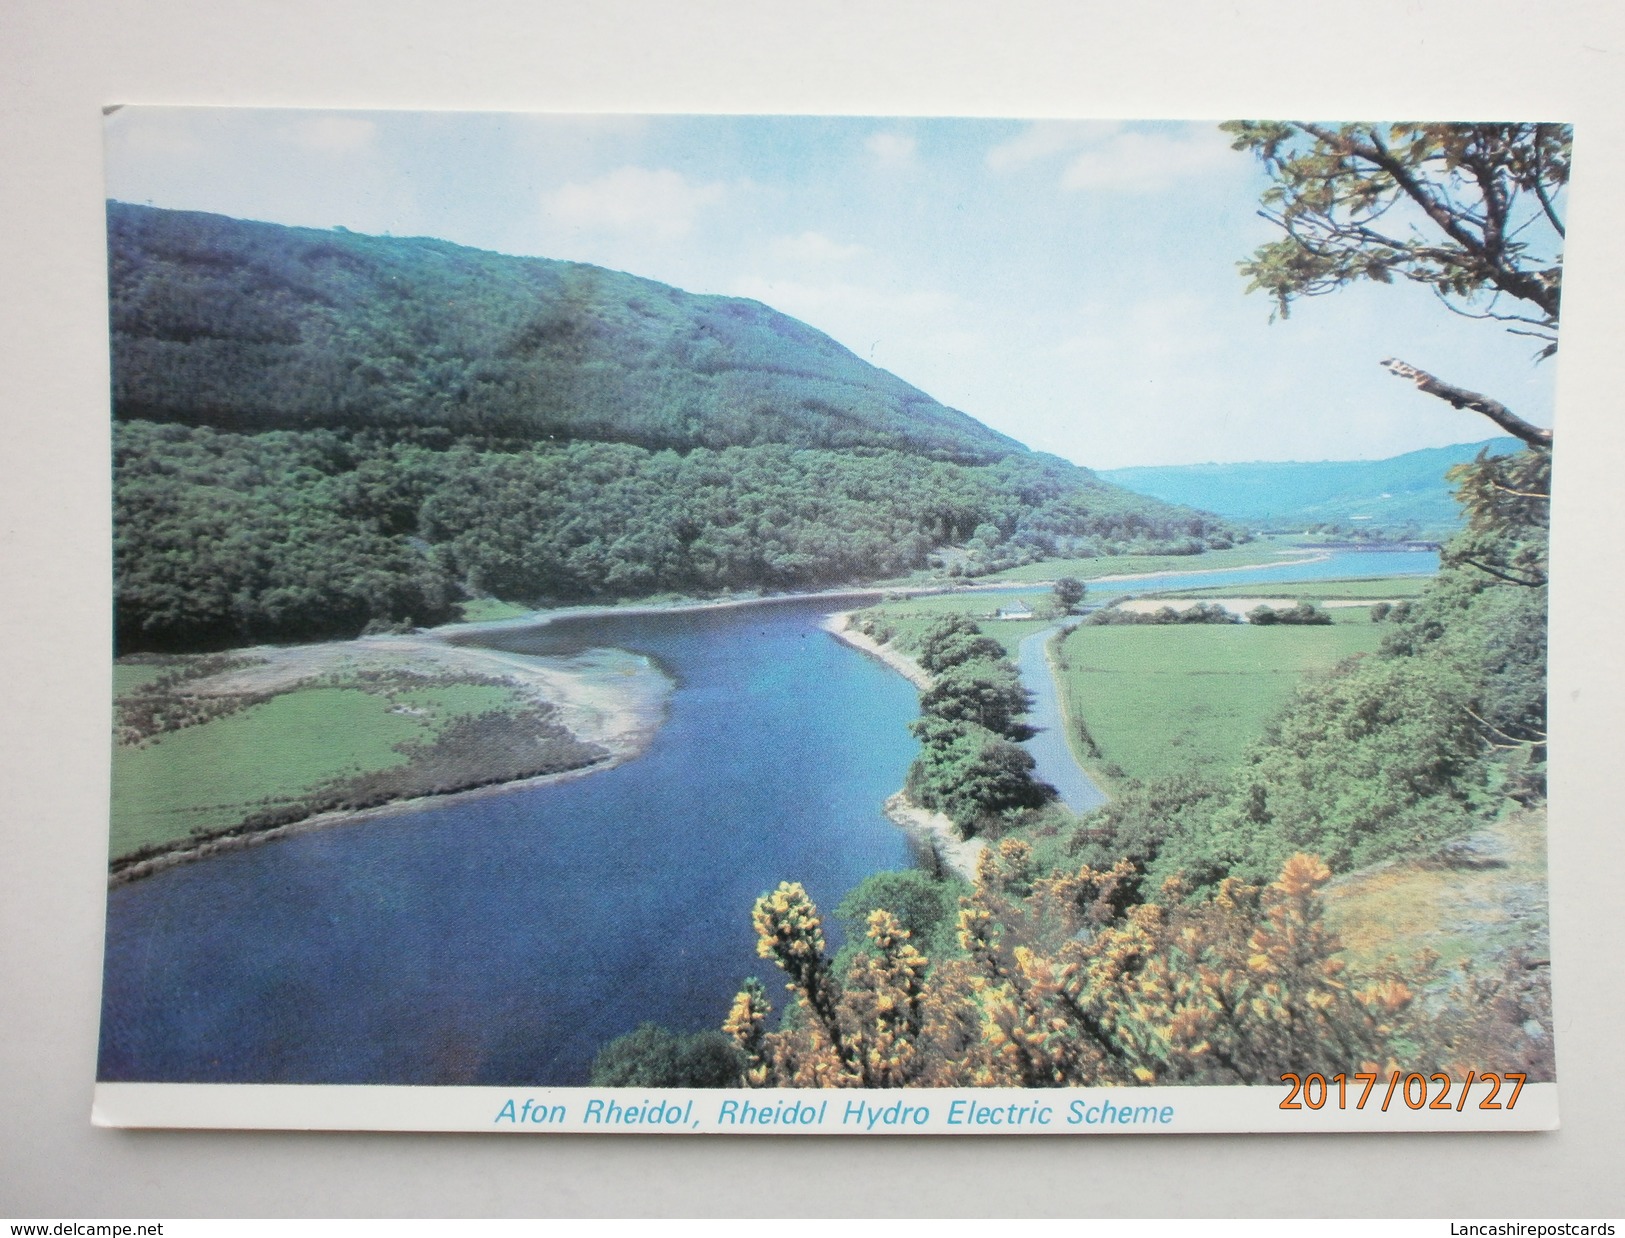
797, 1111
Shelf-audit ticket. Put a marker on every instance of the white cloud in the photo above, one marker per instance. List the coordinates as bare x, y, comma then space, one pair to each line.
847, 300
890, 327
331, 134
633, 199
1045, 138
891, 148
1147, 162
814, 249
1110, 156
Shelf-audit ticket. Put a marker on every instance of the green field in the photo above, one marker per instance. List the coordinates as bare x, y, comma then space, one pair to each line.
208, 777
1261, 550
910, 616
131, 676
483, 610
1315, 590
1160, 698
279, 753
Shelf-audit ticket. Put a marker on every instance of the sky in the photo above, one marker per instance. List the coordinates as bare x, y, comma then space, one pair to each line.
1072, 284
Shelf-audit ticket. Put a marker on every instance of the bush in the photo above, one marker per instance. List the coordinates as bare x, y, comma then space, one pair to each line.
971, 774
1201, 612
926, 907
1302, 613
984, 692
954, 640
653, 1057
1208, 612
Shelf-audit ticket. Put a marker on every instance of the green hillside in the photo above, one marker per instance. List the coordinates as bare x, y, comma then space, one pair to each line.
317, 432
1405, 493
253, 326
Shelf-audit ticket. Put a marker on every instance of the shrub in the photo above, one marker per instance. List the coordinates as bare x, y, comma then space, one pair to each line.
971, 774
1302, 613
924, 906
984, 692
953, 640
653, 1057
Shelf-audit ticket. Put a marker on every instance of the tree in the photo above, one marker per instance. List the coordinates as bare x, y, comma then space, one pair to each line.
1471, 211
923, 905
1069, 591
971, 774
655, 1057
952, 640
986, 693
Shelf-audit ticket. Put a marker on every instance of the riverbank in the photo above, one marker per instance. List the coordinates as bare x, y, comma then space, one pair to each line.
935, 830
840, 627
547, 615
598, 695
350, 816
325, 733
219, 752
1319, 556
543, 617
1062, 745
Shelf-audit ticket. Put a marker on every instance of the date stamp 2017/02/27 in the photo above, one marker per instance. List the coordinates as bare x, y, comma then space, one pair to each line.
1414, 1089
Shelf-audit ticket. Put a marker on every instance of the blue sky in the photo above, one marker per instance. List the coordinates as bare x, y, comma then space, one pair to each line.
1072, 284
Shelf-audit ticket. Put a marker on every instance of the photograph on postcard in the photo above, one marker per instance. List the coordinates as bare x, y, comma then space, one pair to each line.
637, 606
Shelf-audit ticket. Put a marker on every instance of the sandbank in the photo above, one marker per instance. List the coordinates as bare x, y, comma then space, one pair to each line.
609, 698
840, 627
939, 833
603, 696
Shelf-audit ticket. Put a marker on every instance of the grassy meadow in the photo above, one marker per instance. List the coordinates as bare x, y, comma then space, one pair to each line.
1262, 550
484, 610
1157, 698
909, 617
1385, 588
196, 759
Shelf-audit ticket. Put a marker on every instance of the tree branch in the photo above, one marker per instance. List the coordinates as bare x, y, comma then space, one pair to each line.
1489, 315
1540, 185
1500, 575
1459, 397
1519, 494
1511, 740
1482, 249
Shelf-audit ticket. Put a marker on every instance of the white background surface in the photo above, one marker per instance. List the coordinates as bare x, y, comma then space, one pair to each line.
60, 62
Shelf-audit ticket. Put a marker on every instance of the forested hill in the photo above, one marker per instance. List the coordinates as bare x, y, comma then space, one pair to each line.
1399, 494
253, 326
319, 433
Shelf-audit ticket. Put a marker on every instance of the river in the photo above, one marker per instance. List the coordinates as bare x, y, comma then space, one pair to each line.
502, 939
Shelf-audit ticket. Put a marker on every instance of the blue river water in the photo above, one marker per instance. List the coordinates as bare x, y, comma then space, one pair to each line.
502, 939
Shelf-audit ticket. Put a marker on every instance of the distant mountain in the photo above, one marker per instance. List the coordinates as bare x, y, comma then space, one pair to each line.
254, 326
318, 432
1392, 494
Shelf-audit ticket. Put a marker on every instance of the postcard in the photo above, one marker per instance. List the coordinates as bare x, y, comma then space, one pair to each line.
829, 625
